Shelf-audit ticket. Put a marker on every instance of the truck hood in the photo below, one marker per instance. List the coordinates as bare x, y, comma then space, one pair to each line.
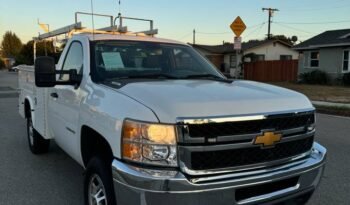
172, 99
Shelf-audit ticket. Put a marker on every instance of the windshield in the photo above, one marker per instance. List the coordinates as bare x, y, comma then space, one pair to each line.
125, 59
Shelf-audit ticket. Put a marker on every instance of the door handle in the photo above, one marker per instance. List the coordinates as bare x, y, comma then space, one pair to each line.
54, 95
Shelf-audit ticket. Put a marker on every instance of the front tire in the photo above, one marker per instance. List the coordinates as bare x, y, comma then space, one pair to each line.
98, 183
37, 144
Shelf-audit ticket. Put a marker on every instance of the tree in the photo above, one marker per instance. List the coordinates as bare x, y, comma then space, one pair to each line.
2, 64
288, 40
26, 55
11, 45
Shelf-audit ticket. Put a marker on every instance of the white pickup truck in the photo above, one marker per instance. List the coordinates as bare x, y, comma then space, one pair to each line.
153, 122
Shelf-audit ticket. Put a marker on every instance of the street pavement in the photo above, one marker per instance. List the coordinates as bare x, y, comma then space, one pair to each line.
54, 178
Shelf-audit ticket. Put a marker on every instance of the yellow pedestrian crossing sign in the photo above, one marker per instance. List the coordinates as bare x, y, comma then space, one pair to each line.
238, 26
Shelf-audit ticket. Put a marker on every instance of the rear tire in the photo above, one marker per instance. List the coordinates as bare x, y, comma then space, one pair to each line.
37, 144
98, 183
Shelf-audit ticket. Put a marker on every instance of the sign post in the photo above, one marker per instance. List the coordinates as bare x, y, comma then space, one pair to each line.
238, 27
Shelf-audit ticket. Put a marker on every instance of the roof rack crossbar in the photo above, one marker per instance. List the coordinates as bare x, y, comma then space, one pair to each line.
60, 31
93, 14
121, 28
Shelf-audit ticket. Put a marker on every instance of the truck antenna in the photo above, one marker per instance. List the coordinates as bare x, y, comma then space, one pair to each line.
119, 7
93, 21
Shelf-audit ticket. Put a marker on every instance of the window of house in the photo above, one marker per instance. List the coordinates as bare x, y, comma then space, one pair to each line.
346, 61
233, 61
259, 57
314, 59
285, 57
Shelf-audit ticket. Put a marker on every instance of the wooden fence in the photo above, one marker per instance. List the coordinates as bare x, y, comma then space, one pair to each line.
272, 71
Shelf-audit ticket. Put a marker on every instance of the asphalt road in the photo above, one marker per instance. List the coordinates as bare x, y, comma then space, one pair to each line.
54, 178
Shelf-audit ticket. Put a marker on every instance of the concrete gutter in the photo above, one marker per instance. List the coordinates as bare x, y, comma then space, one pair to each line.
330, 104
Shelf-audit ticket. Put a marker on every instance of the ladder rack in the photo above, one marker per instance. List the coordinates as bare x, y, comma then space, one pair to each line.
77, 28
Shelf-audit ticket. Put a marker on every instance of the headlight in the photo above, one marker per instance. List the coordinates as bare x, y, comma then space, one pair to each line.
153, 144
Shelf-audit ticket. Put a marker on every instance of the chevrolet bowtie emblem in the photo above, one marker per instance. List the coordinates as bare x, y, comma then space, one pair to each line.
268, 139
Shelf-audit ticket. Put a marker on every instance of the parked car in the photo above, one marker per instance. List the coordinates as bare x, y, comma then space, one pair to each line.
152, 122
13, 69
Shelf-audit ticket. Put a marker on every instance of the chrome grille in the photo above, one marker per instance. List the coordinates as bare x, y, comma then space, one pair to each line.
228, 145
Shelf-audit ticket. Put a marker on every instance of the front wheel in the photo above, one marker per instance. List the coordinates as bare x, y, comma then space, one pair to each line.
37, 144
98, 183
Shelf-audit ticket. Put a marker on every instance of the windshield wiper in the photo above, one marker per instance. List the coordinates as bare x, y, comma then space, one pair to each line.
208, 76
154, 76
148, 76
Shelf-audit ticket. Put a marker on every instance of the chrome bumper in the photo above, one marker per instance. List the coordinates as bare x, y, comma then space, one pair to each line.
141, 186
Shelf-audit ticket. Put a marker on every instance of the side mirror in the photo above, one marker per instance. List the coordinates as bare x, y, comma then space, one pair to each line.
45, 72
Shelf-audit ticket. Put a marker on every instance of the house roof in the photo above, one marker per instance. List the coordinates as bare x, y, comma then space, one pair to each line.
228, 47
332, 38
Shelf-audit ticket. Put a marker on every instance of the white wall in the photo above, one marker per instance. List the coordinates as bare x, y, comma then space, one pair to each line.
202, 51
273, 51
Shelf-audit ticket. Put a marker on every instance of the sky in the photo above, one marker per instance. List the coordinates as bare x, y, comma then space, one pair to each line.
176, 19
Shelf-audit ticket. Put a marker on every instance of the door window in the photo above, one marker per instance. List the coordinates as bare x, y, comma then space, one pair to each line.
74, 60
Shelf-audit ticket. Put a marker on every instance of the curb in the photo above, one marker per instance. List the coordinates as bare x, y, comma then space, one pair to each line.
330, 104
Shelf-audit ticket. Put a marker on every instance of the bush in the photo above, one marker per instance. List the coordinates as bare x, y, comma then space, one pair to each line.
346, 79
315, 77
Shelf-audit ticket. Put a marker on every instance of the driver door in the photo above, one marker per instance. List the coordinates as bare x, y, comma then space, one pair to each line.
64, 103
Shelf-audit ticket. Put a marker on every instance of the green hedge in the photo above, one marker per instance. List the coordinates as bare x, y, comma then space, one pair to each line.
315, 77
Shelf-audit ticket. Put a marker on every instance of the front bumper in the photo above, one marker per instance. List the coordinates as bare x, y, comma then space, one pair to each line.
142, 186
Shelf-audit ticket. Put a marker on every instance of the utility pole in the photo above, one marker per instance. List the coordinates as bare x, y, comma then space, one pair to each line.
194, 36
271, 11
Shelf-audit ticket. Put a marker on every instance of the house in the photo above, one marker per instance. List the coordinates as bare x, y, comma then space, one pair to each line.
328, 51
224, 57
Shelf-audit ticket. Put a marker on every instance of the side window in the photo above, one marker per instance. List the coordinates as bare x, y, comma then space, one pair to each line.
314, 59
73, 60
285, 57
183, 60
346, 61
260, 57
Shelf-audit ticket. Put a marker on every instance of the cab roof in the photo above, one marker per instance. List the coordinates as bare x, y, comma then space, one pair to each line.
126, 37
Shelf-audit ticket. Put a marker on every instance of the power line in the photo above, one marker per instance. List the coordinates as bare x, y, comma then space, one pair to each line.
326, 22
293, 28
218, 33
293, 9
258, 29
184, 36
228, 32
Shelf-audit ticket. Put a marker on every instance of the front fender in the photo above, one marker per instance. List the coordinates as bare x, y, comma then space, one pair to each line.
104, 110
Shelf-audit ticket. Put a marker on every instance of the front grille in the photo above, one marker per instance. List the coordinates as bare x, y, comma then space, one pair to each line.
277, 122
246, 156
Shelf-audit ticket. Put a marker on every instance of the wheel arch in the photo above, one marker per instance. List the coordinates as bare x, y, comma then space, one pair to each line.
28, 108
92, 144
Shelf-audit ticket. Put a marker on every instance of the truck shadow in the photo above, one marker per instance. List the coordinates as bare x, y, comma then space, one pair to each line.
52, 178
